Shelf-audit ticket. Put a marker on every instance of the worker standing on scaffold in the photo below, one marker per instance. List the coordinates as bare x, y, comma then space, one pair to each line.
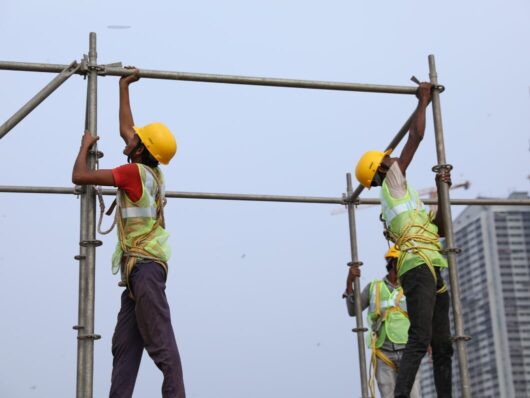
142, 252
415, 233
389, 325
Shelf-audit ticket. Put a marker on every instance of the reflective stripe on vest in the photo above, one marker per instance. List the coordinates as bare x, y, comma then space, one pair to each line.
389, 302
151, 187
389, 213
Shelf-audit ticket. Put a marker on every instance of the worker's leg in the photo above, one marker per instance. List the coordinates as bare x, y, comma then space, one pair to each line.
420, 291
127, 349
416, 390
386, 375
154, 322
442, 347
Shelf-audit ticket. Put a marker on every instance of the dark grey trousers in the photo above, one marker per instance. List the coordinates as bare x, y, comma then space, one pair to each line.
429, 325
145, 322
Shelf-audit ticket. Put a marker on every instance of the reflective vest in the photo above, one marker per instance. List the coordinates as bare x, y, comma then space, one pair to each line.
410, 228
141, 232
387, 315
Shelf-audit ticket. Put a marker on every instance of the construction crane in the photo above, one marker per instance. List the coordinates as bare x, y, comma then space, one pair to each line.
429, 192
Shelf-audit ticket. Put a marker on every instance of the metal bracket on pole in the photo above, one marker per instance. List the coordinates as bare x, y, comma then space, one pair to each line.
93, 242
89, 337
447, 250
38, 98
79, 257
98, 154
103, 68
461, 338
439, 167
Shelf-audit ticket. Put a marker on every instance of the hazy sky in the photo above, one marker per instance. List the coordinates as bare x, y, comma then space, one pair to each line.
254, 288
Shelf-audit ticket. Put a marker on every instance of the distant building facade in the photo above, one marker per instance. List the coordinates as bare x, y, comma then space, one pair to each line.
494, 275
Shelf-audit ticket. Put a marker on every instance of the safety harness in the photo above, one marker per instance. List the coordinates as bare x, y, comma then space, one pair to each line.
380, 319
415, 237
137, 250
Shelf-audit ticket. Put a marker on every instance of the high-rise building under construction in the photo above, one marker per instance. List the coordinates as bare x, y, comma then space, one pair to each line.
494, 274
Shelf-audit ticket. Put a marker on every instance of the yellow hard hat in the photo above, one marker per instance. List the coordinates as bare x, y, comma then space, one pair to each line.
158, 140
392, 253
368, 165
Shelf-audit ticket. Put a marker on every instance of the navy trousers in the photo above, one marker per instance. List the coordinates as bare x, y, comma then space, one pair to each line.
429, 325
145, 322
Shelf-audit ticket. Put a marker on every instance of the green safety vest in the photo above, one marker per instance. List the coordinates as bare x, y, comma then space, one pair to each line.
141, 232
410, 227
387, 315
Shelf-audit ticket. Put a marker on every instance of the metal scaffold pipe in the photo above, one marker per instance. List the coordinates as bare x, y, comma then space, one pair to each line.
38, 98
266, 198
88, 245
359, 329
106, 70
445, 208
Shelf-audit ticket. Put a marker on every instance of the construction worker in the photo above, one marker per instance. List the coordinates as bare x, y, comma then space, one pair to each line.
389, 324
142, 251
416, 234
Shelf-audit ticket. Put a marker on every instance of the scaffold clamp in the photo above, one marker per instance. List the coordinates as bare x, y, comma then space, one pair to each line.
354, 264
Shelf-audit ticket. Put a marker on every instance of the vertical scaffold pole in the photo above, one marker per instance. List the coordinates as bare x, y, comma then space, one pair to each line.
88, 245
459, 337
360, 329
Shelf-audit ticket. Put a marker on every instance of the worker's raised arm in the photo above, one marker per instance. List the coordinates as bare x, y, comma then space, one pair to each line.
126, 118
417, 126
81, 174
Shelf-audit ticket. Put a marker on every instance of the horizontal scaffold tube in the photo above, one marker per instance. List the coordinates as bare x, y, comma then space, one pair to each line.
105, 70
268, 198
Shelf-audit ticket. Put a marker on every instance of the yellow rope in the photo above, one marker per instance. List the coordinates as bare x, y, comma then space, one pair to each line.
137, 250
407, 241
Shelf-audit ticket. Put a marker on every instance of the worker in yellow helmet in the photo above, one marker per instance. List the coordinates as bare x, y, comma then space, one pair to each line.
389, 324
416, 233
142, 252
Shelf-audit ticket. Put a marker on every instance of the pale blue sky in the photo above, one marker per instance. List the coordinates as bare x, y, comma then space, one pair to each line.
254, 287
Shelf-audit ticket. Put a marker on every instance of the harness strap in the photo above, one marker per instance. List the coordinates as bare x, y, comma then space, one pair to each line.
136, 251
411, 242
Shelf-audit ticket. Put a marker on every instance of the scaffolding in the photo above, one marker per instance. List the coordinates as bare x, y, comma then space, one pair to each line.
89, 68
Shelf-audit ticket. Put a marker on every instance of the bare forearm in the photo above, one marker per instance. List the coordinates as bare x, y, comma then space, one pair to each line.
417, 127
80, 165
126, 117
